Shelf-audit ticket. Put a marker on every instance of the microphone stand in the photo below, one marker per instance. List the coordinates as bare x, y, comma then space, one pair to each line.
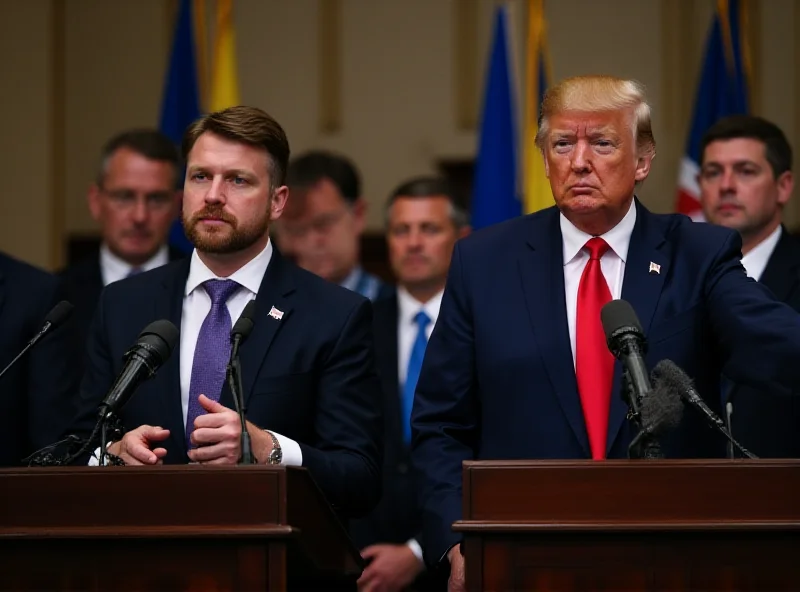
644, 445
234, 374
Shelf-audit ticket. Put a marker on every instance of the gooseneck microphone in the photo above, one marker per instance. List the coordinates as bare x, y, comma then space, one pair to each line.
239, 333
57, 315
672, 377
626, 341
661, 411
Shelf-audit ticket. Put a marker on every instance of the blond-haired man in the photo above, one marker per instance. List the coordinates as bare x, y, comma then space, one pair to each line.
517, 365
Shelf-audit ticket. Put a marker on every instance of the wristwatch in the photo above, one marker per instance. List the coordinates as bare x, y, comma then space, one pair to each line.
276, 454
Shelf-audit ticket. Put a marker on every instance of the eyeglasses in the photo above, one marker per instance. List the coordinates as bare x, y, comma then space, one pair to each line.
127, 199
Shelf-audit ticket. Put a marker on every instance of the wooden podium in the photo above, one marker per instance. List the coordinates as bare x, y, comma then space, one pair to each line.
631, 525
168, 528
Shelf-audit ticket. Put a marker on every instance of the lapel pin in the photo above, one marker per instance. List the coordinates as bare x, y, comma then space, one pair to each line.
655, 268
278, 314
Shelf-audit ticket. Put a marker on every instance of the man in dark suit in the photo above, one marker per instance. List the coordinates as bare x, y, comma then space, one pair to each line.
517, 365
323, 223
423, 223
745, 181
135, 200
38, 393
311, 390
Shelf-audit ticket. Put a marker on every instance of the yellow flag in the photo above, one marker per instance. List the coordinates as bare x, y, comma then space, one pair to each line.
536, 188
224, 78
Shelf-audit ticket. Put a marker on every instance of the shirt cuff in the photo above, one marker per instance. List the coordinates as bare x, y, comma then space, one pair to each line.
94, 460
292, 456
415, 549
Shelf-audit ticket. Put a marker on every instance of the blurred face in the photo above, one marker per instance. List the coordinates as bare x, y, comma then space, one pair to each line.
228, 202
421, 236
135, 205
738, 188
591, 161
324, 231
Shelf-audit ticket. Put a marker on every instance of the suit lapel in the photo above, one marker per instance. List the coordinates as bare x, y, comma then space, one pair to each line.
646, 267
273, 309
169, 305
2, 290
386, 318
541, 260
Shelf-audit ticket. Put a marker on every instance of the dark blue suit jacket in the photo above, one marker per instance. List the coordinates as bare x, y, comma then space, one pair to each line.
37, 395
309, 376
498, 381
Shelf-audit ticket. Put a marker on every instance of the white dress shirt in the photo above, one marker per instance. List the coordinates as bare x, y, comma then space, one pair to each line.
113, 269
196, 306
407, 309
755, 262
612, 263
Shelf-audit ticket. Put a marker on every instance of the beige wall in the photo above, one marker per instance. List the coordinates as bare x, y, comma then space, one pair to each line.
398, 86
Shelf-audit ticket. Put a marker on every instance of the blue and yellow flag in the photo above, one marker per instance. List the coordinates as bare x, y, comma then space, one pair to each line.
535, 185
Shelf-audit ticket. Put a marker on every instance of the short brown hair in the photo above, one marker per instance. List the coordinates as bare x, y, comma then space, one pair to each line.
248, 125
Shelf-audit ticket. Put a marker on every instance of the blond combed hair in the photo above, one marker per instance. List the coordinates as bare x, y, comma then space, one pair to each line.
594, 94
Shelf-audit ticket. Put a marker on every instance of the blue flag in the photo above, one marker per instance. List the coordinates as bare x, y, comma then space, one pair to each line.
181, 101
495, 193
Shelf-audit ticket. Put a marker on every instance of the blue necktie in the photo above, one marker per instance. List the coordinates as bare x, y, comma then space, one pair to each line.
414, 367
211, 352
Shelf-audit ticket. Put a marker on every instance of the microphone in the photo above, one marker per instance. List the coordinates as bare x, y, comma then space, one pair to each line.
672, 377
239, 333
661, 411
57, 315
626, 341
148, 354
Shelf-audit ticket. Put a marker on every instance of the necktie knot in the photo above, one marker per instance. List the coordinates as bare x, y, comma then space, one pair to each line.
134, 271
597, 247
422, 320
219, 291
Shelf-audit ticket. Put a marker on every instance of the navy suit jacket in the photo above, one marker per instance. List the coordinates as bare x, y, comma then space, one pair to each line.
498, 380
397, 517
769, 426
37, 395
309, 376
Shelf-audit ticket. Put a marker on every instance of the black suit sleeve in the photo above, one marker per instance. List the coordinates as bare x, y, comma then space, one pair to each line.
346, 459
53, 377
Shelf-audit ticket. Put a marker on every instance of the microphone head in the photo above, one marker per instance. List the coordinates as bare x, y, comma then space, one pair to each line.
619, 321
662, 408
159, 338
668, 375
59, 313
244, 325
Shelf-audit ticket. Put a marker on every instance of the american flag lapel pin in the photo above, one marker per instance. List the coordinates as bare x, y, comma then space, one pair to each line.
655, 268
276, 314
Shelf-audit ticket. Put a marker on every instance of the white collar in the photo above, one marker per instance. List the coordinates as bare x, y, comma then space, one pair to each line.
755, 262
408, 306
618, 238
248, 276
114, 268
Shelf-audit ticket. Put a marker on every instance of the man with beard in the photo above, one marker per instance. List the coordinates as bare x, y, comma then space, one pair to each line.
310, 387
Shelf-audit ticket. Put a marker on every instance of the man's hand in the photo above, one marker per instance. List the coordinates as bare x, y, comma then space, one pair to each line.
392, 568
135, 446
456, 581
217, 435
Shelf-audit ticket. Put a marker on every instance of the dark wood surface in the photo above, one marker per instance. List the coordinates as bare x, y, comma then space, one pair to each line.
632, 525
167, 528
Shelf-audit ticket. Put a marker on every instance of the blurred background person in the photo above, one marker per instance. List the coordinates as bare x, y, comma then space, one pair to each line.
38, 393
745, 182
135, 201
423, 223
324, 220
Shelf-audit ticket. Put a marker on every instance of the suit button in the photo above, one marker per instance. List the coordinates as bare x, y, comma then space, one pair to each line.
402, 468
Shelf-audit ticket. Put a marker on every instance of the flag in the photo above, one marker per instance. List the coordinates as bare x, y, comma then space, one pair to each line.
495, 196
224, 78
181, 101
722, 91
536, 187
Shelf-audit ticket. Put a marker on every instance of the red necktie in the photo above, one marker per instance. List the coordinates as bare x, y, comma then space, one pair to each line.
594, 364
